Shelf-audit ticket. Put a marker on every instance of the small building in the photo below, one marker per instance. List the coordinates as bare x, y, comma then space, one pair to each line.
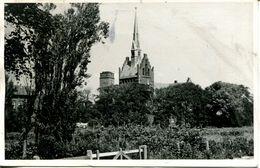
21, 95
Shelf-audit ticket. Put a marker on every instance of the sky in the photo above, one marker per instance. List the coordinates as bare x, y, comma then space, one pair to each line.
207, 42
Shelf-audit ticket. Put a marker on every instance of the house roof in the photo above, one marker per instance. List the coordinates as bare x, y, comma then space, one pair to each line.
21, 90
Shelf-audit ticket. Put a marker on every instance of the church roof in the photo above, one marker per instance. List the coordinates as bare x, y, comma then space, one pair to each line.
129, 70
21, 90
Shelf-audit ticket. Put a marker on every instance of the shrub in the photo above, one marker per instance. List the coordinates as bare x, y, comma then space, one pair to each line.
168, 143
13, 151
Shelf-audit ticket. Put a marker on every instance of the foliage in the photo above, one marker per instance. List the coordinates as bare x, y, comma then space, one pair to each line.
162, 143
221, 104
230, 149
14, 150
55, 52
185, 102
10, 114
86, 110
230, 105
27, 32
123, 104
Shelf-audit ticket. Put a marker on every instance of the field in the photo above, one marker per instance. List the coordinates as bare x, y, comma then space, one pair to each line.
169, 143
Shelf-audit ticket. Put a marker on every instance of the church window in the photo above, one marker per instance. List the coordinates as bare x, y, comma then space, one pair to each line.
143, 71
148, 72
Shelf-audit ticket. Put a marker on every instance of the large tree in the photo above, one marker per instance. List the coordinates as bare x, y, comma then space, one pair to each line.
54, 51
123, 104
230, 104
184, 102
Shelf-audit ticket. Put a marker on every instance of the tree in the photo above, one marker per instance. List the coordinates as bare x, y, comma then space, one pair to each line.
185, 102
10, 115
84, 107
22, 20
230, 105
123, 104
54, 51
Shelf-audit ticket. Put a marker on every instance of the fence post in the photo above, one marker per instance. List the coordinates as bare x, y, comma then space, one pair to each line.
97, 154
89, 154
179, 150
121, 154
144, 150
207, 145
36, 157
140, 152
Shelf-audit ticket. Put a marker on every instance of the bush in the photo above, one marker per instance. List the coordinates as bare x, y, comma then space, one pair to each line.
162, 143
15, 150
168, 143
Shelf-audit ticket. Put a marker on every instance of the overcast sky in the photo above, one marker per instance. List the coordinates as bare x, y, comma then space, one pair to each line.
207, 42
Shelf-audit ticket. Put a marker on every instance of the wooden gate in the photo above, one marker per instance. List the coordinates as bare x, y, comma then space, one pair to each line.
119, 154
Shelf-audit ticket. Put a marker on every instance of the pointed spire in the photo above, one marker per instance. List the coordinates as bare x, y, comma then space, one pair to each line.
135, 43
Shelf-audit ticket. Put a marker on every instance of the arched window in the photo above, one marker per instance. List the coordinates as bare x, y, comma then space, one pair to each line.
148, 72
143, 71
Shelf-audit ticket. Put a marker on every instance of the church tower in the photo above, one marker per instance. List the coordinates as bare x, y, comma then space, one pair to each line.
137, 69
106, 79
135, 49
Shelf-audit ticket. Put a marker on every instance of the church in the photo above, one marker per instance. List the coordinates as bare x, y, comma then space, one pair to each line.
136, 69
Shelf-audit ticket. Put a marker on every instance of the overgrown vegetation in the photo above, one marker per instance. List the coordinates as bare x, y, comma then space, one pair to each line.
169, 143
219, 105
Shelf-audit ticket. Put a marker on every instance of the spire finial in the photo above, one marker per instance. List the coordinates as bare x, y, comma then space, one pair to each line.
135, 43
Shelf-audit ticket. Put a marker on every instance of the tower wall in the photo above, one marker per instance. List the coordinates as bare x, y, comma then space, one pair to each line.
106, 79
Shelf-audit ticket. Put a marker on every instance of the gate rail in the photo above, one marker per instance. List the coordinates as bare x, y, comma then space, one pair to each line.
117, 154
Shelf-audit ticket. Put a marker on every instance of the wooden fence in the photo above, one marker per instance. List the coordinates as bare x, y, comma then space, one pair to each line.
117, 154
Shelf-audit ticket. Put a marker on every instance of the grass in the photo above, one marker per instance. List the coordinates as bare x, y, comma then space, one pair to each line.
218, 134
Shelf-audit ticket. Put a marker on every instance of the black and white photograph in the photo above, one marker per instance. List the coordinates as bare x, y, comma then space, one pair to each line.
129, 81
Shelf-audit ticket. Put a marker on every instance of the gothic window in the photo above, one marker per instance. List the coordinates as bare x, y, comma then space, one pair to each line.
143, 71
146, 68
148, 72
